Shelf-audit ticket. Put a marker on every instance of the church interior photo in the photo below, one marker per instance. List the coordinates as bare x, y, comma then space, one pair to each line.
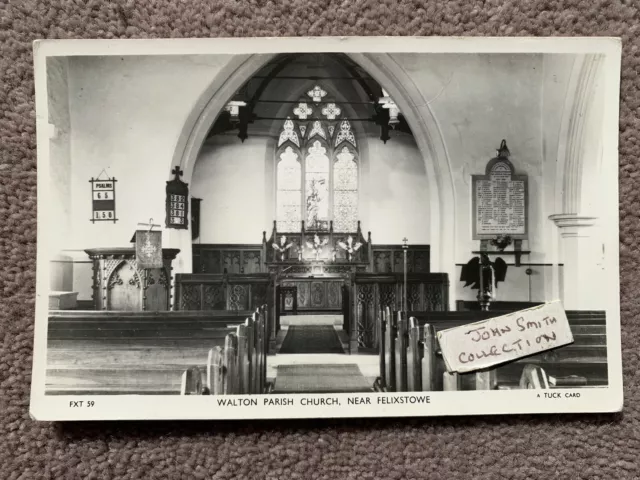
307, 222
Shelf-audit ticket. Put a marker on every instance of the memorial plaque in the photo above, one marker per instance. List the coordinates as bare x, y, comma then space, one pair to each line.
500, 200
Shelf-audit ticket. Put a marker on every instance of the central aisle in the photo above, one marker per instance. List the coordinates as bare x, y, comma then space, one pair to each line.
315, 359
311, 339
320, 378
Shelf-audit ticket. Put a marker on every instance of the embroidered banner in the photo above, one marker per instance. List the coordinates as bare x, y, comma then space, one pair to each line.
149, 249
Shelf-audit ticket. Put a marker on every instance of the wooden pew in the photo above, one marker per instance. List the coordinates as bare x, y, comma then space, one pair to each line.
100, 352
583, 363
240, 366
412, 353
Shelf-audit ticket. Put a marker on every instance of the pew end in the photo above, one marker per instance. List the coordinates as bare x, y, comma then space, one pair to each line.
191, 382
534, 377
379, 386
411, 360
240, 365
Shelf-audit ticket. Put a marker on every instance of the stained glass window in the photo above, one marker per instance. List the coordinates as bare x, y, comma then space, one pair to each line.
317, 93
289, 193
288, 133
317, 172
345, 192
303, 111
317, 129
317, 186
331, 111
345, 134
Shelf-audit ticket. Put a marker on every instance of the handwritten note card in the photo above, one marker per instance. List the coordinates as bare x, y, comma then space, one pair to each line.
502, 339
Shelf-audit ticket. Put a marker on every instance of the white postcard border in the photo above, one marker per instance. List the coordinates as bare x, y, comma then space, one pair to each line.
162, 407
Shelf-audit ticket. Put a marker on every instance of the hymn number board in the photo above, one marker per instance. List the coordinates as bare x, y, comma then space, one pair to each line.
500, 200
103, 200
177, 202
177, 209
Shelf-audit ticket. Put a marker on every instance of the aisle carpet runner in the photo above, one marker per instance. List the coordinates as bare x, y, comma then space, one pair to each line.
311, 339
320, 379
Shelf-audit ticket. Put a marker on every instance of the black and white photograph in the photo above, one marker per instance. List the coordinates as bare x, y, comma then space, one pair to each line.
326, 227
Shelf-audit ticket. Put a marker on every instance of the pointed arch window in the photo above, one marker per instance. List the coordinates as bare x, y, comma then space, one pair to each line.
345, 191
289, 178
317, 166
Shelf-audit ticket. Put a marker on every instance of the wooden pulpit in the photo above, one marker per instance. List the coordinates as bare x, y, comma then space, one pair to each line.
119, 283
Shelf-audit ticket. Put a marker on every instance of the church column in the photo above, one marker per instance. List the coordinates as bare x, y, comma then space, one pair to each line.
581, 274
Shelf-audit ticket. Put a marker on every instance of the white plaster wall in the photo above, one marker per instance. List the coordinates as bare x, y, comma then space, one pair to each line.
478, 100
230, 178
235, 182
520, 286
557, 70
398, 197
123, 115
126, 117
61, 271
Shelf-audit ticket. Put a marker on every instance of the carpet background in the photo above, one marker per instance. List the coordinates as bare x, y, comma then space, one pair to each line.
604, 446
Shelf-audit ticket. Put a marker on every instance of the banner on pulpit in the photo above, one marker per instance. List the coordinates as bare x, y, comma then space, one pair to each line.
149, 249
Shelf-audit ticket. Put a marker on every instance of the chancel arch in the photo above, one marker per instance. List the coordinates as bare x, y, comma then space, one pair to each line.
424, 129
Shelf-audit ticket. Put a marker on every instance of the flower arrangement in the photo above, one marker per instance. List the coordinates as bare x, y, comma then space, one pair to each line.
282, 247
501, 242
350, 247
317, 246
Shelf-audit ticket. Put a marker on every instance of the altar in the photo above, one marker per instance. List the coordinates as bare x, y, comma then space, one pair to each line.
314, 272
319, 286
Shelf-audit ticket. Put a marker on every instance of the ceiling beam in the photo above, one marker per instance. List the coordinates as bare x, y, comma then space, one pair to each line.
309, 101
308, 77
286, 59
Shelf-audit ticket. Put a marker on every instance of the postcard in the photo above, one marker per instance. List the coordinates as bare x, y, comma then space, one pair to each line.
326, 227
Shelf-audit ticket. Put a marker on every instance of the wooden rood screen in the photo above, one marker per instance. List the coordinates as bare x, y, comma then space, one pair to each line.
410, 358
239, 367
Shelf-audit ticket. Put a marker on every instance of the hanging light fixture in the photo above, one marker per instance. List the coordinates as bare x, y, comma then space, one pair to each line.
387, 102
233, 107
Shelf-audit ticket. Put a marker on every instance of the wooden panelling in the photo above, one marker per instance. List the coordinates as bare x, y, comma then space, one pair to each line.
119, 284
254, 258
221, 292
390, 259
317, 294
427, 292
334, 246
228, 258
